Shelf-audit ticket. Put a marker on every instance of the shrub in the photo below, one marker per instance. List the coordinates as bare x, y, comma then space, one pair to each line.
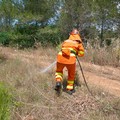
5, 102
22, 41
4, 38
49, 35
26, 29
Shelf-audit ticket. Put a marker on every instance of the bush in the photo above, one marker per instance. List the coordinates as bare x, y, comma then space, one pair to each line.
26, 29
26, 36
49, 35
5, 102
4, 38
22, 41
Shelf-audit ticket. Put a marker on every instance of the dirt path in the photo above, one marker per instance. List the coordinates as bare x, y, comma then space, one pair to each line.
109, 85
104, 77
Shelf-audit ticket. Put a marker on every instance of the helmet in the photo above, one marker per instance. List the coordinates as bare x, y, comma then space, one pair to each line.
74, 35
74, 32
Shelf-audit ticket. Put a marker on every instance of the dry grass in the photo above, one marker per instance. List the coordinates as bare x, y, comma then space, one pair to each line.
108, 55
34, 96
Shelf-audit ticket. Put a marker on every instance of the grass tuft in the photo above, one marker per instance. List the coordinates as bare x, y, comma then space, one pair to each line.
5, 102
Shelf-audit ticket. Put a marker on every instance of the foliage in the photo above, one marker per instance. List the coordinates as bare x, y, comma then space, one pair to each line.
75, 13
26, 36
5, 102
35, 10
8, 11
22, 41
26, 29
49, 35
94, 19
4, 38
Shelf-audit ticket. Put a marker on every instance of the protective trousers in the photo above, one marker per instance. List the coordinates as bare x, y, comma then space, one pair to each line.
71, 74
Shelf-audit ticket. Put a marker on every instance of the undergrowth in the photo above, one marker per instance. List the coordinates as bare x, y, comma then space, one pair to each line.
35, 99
5, 102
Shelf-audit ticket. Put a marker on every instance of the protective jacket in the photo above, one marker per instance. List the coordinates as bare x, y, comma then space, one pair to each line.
70, 49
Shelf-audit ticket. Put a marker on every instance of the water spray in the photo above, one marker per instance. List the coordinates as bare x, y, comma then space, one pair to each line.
48, 68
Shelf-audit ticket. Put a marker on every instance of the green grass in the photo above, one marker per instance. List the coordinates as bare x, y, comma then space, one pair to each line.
5, 102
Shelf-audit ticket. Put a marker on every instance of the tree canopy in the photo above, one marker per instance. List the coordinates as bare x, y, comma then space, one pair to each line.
94, 18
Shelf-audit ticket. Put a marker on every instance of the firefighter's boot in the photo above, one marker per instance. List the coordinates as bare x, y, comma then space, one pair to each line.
70, 92
58, 86
70, 89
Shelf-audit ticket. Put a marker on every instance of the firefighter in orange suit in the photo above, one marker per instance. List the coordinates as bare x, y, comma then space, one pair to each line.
67, 58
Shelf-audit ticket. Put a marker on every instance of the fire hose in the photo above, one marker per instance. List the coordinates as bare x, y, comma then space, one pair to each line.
83, 76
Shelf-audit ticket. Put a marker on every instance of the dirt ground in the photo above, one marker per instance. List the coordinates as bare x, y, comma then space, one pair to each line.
104, 77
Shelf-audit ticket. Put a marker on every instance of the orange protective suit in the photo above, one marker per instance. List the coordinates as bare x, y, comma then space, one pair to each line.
67, 58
